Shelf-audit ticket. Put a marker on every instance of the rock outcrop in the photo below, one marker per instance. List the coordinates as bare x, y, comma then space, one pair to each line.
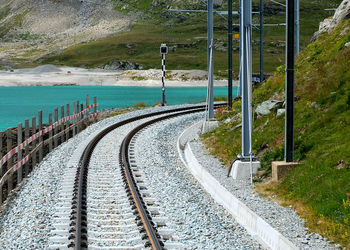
266, 107
121, 65
342, 13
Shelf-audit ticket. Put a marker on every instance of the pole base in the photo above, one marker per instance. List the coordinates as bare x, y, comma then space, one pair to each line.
241, 169
209, 126
281, 168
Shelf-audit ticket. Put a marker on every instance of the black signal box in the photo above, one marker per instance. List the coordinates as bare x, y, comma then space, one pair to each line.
163, 49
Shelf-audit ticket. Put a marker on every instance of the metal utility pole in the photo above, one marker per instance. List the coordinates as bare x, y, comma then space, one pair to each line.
289, 122
261, 40
297, 27
210, 60
245, 74
210, 12
229, 96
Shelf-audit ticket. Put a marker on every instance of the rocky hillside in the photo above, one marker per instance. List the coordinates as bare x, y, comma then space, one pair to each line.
153, 4
38, 27
79, 32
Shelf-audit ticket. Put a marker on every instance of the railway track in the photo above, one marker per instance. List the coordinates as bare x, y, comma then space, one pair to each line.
104, 203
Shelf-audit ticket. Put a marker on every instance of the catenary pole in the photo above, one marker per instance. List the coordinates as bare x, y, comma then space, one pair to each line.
289, 119
229, 96
246, 65
261, 40
210, 59
297, 27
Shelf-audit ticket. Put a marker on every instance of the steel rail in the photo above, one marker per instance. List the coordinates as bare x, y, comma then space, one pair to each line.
78, 231
144, 214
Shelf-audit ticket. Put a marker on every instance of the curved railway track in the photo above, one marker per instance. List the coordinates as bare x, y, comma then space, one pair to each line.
79, 218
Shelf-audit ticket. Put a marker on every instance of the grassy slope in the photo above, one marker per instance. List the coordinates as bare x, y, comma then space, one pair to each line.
157, 26
15, 21
321, 184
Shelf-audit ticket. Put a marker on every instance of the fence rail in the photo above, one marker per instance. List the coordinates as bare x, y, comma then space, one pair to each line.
26, 147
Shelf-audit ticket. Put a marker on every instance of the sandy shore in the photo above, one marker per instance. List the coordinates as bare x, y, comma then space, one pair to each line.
49, 75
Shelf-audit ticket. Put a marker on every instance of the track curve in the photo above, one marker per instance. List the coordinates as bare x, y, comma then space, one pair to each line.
78, 231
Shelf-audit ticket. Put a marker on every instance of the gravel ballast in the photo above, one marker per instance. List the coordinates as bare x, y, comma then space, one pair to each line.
197, 220
26, 217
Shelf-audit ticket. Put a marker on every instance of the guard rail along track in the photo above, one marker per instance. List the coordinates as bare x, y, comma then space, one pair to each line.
78, 232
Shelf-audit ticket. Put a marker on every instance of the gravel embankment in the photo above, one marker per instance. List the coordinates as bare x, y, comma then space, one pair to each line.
26, 219
197, 220
284, 220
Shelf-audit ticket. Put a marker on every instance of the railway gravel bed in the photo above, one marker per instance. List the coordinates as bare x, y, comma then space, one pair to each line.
197, 220
110, 217
284, 220
26, 218
192, 217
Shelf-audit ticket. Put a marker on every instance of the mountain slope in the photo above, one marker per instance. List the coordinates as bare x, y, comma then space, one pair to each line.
30, 29
320, 187
185, 33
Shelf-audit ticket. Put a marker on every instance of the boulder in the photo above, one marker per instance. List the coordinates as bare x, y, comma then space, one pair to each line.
121, 65
280, 112
314, 105
342, 13
236, 118
227, 120
266, 107
217, 3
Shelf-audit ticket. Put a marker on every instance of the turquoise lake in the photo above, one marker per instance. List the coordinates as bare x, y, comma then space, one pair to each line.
20, 103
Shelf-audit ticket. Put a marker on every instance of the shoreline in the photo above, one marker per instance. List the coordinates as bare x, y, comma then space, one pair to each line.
49, 75
125, 83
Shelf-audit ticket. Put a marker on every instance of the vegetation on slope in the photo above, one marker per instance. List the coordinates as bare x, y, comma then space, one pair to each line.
320, 187
185, 33
13, 22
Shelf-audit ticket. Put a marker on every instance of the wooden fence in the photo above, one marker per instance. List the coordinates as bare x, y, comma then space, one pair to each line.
23, 148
